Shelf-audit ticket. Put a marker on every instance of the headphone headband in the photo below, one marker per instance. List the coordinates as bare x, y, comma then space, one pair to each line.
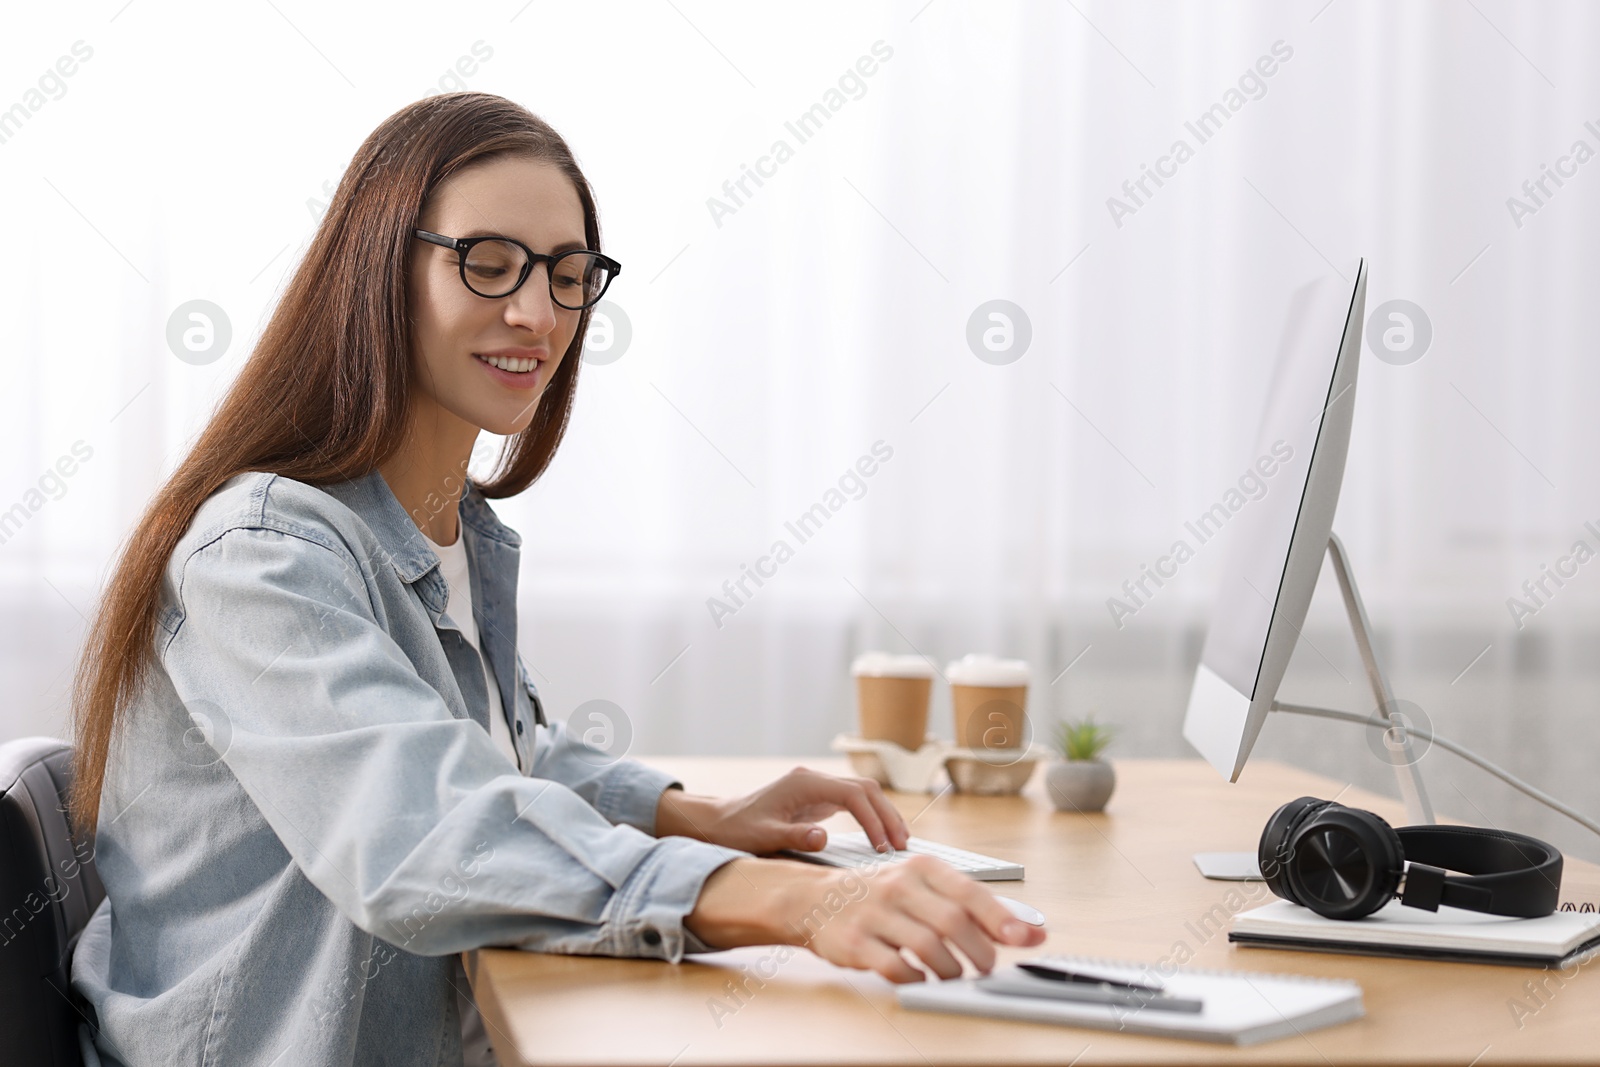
1503, 873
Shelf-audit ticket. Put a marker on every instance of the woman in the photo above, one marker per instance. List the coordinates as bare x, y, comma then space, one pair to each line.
333, 774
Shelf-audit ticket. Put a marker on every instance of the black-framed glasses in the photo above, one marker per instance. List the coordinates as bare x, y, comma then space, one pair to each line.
497, 266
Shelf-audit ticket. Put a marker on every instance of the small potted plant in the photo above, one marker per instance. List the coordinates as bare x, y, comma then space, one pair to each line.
1080, 780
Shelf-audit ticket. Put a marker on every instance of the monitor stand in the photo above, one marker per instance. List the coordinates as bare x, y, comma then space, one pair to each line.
1396, 737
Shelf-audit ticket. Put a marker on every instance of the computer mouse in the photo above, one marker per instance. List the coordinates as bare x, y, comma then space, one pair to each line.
1028, 914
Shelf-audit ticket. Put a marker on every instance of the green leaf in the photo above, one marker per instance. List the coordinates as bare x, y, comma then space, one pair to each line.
1082, 739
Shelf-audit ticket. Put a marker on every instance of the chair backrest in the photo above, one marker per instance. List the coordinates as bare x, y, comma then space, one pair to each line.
48, 890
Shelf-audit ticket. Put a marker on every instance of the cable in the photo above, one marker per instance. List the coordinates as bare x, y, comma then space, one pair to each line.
1471, 757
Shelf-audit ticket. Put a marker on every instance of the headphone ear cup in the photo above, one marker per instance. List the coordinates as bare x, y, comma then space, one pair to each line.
1345, 863
1275, 851
1394, 857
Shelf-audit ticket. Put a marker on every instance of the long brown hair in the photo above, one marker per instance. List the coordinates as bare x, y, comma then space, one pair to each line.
323, 398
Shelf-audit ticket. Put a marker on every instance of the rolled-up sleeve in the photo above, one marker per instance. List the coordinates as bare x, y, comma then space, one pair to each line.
397, 811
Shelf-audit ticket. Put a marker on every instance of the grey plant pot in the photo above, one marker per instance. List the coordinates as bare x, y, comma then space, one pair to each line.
1079, 785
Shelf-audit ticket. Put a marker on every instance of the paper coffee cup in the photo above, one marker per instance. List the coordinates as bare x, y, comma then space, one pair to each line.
892, 697
990, 698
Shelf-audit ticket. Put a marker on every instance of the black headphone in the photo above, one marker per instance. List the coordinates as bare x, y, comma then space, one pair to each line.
1345, 863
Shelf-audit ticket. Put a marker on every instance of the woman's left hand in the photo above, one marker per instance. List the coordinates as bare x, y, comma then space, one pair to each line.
783, 814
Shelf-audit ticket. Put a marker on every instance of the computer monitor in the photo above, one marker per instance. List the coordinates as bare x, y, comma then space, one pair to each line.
1277, 541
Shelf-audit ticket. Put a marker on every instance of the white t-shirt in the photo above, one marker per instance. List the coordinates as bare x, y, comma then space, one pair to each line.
476, 1045
453, 561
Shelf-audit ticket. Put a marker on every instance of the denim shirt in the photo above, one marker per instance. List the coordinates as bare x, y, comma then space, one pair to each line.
304, 817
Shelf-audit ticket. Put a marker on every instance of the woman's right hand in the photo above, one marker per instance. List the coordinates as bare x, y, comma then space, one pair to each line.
860, 918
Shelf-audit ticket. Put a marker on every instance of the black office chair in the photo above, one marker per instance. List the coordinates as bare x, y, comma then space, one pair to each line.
48, 890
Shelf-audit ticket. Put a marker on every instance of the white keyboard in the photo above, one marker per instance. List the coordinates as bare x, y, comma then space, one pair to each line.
852, 849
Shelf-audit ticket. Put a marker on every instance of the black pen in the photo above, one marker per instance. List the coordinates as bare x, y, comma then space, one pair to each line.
1084, 986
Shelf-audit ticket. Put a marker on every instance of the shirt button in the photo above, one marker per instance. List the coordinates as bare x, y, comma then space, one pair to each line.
652, 938
519, 726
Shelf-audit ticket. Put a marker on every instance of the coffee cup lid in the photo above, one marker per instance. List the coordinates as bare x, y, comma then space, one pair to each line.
887, 665
978, 668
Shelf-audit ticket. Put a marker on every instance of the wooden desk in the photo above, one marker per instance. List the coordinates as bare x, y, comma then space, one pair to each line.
1119, 884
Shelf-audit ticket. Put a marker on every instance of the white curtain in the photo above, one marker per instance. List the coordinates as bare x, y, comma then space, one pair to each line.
936, 156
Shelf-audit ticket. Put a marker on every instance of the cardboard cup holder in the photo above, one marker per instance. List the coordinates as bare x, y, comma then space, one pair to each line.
985, 772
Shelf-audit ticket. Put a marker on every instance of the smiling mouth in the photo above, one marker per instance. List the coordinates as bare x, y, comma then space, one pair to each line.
509, 364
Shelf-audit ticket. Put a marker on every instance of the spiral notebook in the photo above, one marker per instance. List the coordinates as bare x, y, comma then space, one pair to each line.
1449, 934
1237, 1007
